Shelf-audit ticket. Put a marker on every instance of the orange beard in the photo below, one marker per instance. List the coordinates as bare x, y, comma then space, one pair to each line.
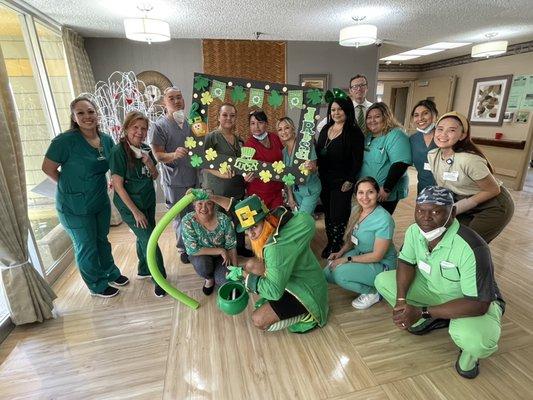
269, 226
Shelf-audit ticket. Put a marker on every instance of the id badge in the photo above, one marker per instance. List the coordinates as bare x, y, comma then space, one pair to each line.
446, 264
424, 267
451, 176
355, 241
427, 167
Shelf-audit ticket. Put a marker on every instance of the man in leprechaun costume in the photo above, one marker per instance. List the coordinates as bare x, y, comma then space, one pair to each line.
285, 272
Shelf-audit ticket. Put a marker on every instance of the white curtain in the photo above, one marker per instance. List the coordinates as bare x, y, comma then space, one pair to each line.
78, 62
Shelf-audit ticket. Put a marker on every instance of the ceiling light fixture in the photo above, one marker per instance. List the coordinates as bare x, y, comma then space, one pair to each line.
146, 29
358, 35
489, 49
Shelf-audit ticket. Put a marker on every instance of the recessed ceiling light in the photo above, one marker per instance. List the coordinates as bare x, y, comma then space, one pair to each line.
420, 52
445, 45
398, 57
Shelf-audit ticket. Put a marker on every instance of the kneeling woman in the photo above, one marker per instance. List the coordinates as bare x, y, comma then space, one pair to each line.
368, 249
483, 204
133, 170
210, 241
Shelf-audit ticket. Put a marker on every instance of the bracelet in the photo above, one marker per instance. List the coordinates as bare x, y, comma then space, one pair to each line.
400, 299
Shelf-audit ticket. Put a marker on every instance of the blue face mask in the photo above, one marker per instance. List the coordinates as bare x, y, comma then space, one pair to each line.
262, 136
428, 129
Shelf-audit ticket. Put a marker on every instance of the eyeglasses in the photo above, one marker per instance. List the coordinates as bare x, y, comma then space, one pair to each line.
356, 87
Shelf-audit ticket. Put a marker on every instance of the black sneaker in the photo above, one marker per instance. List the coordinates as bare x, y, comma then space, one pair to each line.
120, 281
159, 291
184, 257
108, 292
208, 290
467, 374
243, 251
429, 325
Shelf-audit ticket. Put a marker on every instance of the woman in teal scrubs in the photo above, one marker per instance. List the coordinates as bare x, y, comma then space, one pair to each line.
368, 249
81, 199
387, 155
300, 197
133, 171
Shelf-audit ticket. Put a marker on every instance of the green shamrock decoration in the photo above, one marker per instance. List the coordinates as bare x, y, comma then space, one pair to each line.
196, 160
288, 179
200, 82
314, 97
275, 99
238, 95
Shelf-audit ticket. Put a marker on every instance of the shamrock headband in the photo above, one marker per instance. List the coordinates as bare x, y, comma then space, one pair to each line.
334, 94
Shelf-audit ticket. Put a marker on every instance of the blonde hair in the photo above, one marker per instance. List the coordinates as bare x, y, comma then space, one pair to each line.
388, 117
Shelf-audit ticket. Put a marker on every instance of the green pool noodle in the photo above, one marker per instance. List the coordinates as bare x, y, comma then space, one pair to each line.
151, 251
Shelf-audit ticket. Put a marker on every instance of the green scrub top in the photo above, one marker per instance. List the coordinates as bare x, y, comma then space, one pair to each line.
312, 186
383, 151
138, 181
459, 266
377, 225
82, 186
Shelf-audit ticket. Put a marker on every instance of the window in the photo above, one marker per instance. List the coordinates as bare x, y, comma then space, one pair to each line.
41, 89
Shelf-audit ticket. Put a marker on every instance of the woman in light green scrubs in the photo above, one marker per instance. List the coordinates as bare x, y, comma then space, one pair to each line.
387, 155
77, 160
368, 249
300, 197
133, 171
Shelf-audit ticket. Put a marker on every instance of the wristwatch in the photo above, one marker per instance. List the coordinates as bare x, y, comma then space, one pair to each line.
349, 258
425, 313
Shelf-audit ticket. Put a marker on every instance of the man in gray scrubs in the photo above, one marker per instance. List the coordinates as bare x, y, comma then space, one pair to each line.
167, 138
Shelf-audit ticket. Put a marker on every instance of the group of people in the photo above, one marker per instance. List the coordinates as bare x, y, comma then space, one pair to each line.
443, 275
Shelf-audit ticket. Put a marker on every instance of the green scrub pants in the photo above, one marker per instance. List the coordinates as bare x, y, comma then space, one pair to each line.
356, 277
477, 336
306, 203
91, 247
143, 235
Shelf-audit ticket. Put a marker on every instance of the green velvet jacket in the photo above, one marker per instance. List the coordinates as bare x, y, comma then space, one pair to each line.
291, 265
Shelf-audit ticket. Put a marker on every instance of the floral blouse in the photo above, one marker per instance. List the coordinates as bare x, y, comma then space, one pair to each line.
196, 237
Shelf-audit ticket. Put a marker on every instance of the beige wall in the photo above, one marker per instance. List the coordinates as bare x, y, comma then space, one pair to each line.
510, 164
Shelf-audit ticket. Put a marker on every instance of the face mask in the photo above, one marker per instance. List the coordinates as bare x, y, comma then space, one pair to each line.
138, 152
261, 136
179, 116
428, 129
437, 232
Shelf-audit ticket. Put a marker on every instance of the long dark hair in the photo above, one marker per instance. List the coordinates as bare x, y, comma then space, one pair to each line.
347, 106
131, 117
466, 145
73, 124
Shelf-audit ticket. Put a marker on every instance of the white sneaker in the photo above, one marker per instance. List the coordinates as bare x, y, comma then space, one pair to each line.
365, 301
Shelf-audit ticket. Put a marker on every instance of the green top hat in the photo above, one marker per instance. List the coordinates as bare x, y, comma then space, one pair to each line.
250, 211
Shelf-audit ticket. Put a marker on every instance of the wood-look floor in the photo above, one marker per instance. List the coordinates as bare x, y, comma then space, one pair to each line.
138, 346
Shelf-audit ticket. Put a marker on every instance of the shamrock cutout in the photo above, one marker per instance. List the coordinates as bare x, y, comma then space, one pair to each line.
278, 166
314, 96
206, 98
190, 143
200, 82
275, 99
288, 179
238, 94
196, 160
265, 176
224, 168
303, 170
210, 154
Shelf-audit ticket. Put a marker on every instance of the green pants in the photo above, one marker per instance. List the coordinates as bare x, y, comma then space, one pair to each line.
143, 235
476, 336
306, 203
91, 247
355, 277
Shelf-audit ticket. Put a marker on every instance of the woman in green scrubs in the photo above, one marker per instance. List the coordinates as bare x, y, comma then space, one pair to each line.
133, 172
300, 197
387, 155
368, 249
81, 198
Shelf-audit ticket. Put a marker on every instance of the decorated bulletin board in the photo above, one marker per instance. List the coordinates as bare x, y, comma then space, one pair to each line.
207, 88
